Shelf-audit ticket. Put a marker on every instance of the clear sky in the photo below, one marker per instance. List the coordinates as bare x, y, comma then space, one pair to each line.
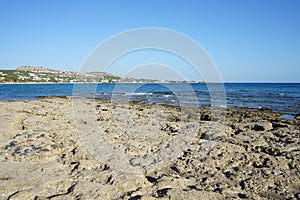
249, 40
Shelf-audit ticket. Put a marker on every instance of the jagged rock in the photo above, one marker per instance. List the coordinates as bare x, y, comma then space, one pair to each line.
205, 117
44, 152
171, 128
267, 126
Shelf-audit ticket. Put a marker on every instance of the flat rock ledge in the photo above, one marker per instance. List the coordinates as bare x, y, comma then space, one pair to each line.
44, 154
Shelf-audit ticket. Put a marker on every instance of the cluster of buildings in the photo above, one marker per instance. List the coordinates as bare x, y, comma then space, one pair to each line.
40, 74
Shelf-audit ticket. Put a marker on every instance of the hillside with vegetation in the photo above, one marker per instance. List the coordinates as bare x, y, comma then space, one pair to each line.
37, 74
34, 74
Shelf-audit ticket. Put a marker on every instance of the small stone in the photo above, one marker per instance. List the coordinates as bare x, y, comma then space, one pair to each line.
45, 150
205, 117
17, 150
53, 146
29, 140
13, 143
242, 196
172, 128
263, 127
228, 174
258, 127
219, 190
37, 149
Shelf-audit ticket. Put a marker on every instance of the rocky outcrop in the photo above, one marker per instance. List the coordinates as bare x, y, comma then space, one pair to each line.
56, 148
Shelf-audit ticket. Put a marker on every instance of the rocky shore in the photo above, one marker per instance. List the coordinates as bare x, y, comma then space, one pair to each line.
62, 148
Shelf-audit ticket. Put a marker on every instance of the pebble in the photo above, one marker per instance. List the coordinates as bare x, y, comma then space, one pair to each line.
205, 117
29, 140
258, 127
54, 146
42, 135
13, 143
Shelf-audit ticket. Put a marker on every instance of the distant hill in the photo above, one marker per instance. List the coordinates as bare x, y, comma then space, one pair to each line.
34, 69
39, 74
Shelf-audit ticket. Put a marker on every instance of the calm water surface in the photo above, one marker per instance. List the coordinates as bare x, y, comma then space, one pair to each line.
284, 97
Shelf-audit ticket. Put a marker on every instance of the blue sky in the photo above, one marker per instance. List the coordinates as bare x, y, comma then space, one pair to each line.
249, 40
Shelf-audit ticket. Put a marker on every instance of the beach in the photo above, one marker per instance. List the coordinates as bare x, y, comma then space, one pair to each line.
64, 148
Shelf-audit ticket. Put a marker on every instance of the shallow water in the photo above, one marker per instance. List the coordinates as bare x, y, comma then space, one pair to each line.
286, 116
284, 97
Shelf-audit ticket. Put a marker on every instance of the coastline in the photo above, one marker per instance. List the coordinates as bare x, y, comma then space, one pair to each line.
278, 97
43, 152
146, 82
119, 82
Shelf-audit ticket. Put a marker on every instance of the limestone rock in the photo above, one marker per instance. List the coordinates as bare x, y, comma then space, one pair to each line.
166, 154
266, 126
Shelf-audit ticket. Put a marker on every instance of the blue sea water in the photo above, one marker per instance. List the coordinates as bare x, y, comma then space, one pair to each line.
283, 97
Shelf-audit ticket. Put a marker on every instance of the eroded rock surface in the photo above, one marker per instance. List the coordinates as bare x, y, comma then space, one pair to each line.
48, 150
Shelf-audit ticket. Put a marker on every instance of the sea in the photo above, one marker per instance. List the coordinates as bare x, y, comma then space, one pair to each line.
279, 97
